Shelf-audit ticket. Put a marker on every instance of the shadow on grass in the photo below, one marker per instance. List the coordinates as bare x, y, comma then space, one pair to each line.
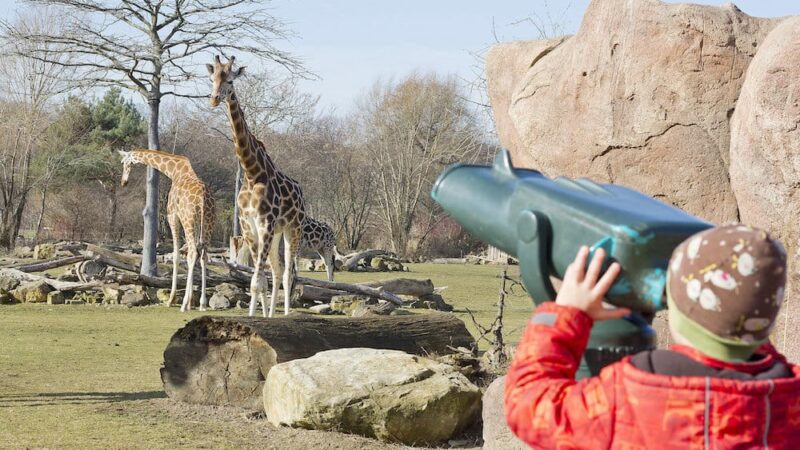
75, 398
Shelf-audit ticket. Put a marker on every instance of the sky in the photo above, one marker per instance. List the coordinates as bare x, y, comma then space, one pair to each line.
349, 44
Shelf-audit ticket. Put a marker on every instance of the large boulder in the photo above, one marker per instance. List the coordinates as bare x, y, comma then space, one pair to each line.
640, 96
765, 157
8, 283
496, 434
386, 394
32, 292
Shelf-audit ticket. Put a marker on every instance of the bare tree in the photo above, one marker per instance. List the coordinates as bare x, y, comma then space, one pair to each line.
411, 130
149, 47
29, 83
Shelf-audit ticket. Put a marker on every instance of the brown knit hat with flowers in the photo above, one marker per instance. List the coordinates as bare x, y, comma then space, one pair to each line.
726, 286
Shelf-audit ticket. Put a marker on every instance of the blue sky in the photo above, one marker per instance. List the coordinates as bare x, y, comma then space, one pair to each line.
351, 43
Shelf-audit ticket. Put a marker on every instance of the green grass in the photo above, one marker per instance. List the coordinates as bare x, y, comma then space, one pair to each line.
88, 376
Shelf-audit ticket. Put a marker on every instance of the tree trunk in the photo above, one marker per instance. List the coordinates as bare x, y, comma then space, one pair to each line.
51, 264
237, 229
41, 215
112, 221
225, 360
150, 212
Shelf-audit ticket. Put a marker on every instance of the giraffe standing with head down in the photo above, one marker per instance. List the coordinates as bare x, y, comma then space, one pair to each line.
190, 205
270, 203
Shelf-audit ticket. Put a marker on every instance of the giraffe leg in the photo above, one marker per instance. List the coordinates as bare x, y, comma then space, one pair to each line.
191, 260
327, 257
203, 263
277, 266
249, 237
291, 239
176, 256
258, 283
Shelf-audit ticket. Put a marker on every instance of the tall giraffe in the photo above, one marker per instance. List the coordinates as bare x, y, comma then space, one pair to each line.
189, 205
270, 203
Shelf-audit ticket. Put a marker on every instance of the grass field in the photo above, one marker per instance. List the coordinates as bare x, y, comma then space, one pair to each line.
88, 376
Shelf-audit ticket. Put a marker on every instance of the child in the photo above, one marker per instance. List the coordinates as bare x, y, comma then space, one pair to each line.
721, 386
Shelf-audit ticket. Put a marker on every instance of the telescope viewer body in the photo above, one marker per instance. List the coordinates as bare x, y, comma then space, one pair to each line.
544, 222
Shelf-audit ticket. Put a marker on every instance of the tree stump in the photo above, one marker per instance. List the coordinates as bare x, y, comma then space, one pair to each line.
225, 360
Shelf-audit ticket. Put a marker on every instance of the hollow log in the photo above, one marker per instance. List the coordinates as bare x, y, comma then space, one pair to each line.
49, 264
403, 286
225, 360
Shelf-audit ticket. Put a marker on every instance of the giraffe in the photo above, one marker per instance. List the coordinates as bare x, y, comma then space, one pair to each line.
318, 236
189, 202
271, 204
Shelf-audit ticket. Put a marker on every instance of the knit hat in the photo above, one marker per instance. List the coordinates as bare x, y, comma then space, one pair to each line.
725, 288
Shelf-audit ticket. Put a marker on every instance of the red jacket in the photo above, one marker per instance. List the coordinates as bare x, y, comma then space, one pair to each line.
627, 408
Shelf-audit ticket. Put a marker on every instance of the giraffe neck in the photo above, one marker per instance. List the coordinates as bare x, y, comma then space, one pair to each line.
253, 157
173, 166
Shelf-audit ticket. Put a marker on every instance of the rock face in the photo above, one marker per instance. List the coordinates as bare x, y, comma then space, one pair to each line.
765, 156
496, 434
227, 295
640, 96
386, 394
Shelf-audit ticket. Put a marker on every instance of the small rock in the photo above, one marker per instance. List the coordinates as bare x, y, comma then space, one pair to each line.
241, 304
44, 251
219, 301
324, 309
8, 284
74, 301
112, 294
33, 292
23, 252
132, 298
55, 298
346, 304
378, 264
68, 276
162, 296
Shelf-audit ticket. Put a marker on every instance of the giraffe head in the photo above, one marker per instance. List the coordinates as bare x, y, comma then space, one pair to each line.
222, 76
128, 160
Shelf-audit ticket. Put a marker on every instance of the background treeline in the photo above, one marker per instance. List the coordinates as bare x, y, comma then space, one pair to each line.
368, 173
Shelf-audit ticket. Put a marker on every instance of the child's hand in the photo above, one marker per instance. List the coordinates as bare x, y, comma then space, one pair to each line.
584, 291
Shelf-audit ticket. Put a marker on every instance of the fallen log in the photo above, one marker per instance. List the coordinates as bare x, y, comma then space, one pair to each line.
352, 261
448, 261
403, 286
49, 264
225, 360
351, 288
166, 282
64, 286
313, 294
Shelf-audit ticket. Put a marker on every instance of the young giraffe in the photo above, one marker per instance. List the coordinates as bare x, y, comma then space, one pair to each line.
319, 237
189, 202
270, 203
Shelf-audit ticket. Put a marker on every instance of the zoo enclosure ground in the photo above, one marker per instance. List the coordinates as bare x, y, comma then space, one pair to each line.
87, 376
